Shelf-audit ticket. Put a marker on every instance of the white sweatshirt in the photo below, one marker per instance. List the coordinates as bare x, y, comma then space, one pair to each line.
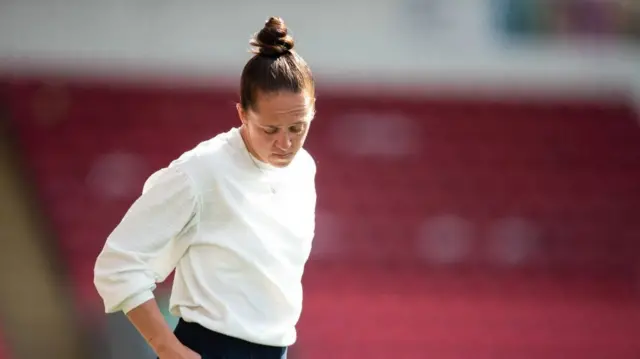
237, 231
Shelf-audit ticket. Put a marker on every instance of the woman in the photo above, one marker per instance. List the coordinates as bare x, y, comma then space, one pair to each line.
234, 217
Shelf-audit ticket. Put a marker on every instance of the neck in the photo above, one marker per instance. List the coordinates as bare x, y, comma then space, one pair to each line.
247, 143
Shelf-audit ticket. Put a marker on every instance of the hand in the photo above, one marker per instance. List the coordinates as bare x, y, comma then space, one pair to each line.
178, 351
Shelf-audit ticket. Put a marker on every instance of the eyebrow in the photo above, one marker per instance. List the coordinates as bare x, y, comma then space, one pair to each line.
291, 124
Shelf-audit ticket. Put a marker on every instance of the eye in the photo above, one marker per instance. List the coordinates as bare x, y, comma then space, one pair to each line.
271, 130
297, 128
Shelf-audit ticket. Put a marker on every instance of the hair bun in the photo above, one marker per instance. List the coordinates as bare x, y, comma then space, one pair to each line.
273, 40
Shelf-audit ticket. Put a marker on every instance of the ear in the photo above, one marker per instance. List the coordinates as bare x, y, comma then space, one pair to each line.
312, 105
242, 114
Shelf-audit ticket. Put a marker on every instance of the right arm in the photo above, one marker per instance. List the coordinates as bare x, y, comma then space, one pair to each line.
123, 275
150, 322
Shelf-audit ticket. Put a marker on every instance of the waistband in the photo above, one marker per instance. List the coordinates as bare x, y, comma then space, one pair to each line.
209, 342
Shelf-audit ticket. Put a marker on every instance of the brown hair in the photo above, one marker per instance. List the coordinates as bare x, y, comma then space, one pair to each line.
274, 66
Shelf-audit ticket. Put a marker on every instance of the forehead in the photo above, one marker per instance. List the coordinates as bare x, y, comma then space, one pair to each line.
281, 108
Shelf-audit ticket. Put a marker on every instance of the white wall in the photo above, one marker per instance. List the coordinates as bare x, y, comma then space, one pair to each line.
414, 41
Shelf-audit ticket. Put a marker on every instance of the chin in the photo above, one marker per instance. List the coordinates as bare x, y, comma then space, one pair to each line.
277, 161
280, 163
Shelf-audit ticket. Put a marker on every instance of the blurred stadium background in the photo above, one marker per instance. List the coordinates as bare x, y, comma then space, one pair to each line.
478, 167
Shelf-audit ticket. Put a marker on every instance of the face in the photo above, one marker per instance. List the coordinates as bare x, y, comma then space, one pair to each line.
275, 130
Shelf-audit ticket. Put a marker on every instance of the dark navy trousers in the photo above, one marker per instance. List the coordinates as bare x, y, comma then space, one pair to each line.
213, 345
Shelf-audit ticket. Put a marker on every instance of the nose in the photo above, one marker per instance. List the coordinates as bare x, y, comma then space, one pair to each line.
284, 141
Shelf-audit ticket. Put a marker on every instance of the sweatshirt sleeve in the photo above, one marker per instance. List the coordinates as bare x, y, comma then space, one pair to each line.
122, 275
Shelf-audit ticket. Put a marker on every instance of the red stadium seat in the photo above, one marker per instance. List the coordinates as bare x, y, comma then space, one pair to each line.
455, 229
